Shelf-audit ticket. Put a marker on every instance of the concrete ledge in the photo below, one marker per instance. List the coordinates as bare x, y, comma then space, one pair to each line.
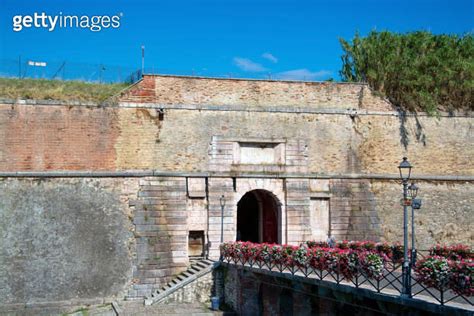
316, 82
158, 173
320, 195
328, 110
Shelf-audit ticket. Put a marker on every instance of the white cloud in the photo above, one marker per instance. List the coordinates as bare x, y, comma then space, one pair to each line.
303, 74
248, 65
270, 57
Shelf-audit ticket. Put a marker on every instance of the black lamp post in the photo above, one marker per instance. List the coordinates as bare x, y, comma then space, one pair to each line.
415, 204
222, 201
405, 173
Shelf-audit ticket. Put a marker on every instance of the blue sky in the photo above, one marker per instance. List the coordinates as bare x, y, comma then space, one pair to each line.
254, 39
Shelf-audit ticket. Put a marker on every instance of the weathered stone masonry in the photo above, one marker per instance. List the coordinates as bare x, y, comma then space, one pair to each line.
138, 176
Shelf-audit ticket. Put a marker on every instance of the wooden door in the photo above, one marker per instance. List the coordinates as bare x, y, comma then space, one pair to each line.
269, 220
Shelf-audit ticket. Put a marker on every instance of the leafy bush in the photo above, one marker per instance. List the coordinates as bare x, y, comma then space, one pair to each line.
462, 276
372, 265
454, 252
397, 252
312, 244
393, 252
442, 273
433, 271
346, 262
416, 71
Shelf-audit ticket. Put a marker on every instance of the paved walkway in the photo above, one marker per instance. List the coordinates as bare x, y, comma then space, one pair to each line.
132, 308
136, 308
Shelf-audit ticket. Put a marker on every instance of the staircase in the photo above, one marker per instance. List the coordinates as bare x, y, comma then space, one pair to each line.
197, 269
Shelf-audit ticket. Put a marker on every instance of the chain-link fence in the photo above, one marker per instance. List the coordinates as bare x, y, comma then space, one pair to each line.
105, 73
66, 70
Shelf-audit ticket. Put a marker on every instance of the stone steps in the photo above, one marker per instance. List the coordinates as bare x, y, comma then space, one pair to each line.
198, 268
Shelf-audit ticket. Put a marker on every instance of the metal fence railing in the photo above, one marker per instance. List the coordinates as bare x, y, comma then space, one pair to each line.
67, 70
389, 281
25, 67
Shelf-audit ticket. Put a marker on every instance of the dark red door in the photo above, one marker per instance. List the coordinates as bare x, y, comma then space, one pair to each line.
270, 220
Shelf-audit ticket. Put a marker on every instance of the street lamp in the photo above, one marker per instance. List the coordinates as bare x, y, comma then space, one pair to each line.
222, 201
405, 173
413, 190
405, 170
415, 204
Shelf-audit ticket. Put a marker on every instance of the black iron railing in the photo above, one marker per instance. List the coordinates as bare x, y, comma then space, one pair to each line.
443, 294
388, 280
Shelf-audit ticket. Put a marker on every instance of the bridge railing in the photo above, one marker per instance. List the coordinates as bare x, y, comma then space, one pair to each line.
368, 269
442, 279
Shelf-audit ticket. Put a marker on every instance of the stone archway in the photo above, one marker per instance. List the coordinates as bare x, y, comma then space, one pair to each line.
259, 217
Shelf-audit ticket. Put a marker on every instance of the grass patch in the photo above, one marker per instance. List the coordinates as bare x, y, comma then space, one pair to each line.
84, 311
43, 89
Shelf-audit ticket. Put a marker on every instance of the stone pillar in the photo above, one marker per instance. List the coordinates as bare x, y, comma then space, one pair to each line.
218, 187
297, 208
160, 221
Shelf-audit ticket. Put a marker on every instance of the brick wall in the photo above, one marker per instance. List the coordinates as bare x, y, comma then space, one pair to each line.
252, 93
40, 138
57, 138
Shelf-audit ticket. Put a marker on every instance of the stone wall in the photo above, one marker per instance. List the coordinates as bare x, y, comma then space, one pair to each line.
200, 290
91, 239
335, 148
354, 213
41, 138
161, 233
435, 146
133, 232
57, 138
445, 216
65, 239
252, 93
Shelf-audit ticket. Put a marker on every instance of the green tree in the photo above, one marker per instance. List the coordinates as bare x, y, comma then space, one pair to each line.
416, 71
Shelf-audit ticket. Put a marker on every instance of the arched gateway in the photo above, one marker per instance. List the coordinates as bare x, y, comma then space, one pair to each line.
258, 217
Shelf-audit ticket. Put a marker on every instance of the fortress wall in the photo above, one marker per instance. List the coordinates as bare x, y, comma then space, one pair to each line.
93, 239
253, 93
370, 209
435, 146
58, 225
445, 216
48, 138
89, 240
65, 239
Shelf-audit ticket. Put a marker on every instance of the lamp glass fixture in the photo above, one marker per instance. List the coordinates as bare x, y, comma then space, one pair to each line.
405, 169
222, 200
413, 190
